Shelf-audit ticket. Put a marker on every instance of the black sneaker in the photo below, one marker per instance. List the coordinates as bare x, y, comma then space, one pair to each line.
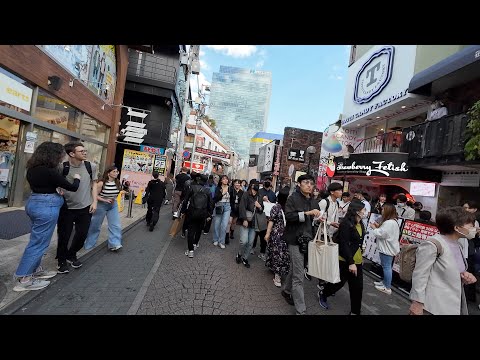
245, 262
62, 268
288, 298
305, 273
151, 227
238, 258
75, 263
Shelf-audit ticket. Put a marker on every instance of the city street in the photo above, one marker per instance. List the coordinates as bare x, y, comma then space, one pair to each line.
152, 276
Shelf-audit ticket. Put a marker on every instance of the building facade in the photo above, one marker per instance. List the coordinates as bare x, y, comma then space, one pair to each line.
239, 103
410, 102
57, 93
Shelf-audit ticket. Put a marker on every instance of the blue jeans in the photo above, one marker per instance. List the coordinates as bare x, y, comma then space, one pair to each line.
43, 210
114, 225
220, 223
247, 235
386, 261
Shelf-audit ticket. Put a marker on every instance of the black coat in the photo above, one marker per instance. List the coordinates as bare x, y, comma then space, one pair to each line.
155, 192
297, 203
349, 240
247, 202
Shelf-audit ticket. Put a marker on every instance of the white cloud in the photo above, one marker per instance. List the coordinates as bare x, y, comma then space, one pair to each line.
202, 53
235, 50
204, 65
260, 63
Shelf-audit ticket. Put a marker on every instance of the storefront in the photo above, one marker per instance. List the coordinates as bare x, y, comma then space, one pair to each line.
32, 112
389, 173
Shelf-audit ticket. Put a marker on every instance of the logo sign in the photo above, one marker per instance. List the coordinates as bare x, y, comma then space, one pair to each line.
374, 75
296, 155
14, 93
380, 164
160, 164
195, 167
152, 150
186, 154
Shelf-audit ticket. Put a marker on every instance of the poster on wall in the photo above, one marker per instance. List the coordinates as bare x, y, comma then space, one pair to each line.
75, 58
414, 233
103, 72
137, 168
370, 241
160, 164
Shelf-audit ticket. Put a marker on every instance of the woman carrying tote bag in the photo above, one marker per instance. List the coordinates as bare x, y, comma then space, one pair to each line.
350, 238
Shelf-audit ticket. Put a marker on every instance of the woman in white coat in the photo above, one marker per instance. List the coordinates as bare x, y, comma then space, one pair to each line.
437, 281
387, 235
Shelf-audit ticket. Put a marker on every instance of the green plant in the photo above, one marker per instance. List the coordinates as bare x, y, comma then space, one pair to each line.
472, 147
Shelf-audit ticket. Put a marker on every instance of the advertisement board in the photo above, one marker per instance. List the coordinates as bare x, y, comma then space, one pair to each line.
137, 168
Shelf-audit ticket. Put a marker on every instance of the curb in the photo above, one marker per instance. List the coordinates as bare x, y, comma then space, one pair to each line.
31, 295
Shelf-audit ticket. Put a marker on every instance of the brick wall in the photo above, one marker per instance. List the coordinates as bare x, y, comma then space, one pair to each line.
294, 138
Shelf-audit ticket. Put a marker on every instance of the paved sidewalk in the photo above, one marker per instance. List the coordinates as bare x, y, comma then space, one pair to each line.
12, 250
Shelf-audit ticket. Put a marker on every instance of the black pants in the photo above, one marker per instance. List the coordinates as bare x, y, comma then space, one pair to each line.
208, 224
195, 227
81, 218
355, 286
153, 213
470, 290
263, 243
186, 222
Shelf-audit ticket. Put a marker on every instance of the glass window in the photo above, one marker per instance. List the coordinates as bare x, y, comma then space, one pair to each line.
94, 129
56, 112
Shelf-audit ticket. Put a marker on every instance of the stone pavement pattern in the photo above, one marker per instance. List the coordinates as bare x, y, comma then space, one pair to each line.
147, 277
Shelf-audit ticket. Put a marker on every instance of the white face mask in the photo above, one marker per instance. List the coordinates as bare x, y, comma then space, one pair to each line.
363, 214
470, 235
401, 204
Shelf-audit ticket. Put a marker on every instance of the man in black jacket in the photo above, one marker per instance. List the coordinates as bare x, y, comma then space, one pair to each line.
155, 193
300, 210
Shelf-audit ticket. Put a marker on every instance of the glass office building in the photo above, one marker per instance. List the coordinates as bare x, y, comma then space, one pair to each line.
239, 103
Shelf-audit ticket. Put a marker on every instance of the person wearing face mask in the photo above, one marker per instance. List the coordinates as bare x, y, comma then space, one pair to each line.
437, 279
350, 239
404, 211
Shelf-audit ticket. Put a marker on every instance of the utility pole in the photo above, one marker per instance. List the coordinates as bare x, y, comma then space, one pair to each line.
197, 122
192, 55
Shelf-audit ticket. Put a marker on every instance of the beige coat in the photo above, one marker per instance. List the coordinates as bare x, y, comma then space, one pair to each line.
436, 282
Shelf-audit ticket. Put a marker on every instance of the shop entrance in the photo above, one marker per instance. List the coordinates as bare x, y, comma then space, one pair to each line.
9, 128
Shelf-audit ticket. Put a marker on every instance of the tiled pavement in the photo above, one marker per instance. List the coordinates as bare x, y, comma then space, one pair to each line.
152, 276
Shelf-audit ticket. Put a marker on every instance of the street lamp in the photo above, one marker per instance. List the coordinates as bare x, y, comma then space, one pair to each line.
310, 151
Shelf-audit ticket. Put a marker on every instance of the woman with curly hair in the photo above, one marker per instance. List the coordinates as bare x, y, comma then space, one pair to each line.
43, 207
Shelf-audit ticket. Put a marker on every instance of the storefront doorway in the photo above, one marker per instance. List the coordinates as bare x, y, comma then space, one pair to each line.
9, 128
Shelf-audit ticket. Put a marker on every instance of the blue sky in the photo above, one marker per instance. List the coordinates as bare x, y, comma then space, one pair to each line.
308, 81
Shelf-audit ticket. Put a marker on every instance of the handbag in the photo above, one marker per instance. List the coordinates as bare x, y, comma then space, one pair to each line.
249, 215
219, 210
303, 241
323, 260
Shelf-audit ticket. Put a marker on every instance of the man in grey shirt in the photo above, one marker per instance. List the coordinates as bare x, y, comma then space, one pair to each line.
78, 208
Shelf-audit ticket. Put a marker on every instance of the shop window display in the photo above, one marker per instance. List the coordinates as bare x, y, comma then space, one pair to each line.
56, 112
8, 145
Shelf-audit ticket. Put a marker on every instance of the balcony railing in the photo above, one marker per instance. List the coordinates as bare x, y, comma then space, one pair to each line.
151, 67
441, 137
388, 142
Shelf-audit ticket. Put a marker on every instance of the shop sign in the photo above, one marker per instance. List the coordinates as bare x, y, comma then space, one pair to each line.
14, 93
213, 153
152, 150
196, 166
380, 164
296, 155
461, 178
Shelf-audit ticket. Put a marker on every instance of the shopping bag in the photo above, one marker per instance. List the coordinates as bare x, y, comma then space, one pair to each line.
176, 226
323, 257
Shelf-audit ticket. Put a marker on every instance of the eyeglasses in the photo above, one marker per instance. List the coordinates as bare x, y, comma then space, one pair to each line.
307, 182
82, 151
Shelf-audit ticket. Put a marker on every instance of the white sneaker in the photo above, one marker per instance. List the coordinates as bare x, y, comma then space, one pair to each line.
262, 256
378, 283
32, 284
116, 248
277, 280
384, 289
215, 243
252, 252
189, 253
43, 274
222, 246
196, 246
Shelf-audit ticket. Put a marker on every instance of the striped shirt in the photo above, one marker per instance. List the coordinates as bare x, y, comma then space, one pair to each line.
109, 190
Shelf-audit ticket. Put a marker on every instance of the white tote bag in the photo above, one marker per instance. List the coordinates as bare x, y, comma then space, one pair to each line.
323, 258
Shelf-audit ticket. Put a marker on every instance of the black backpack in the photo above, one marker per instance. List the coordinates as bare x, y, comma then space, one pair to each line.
66, 168
198, 203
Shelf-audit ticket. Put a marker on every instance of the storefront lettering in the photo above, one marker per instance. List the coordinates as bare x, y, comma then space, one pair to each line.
376, 167
18, 94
